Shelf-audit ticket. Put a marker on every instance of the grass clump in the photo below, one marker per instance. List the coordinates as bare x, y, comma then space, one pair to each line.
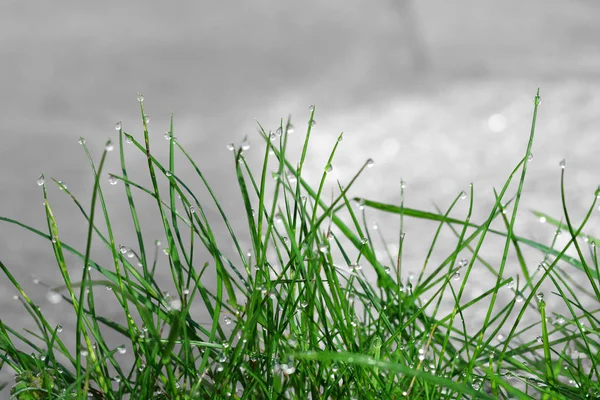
307, 312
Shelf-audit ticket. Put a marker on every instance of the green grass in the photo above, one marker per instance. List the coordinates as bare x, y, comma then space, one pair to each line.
307, 323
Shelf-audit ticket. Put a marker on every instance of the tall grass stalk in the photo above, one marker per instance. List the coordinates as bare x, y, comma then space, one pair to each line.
312, 310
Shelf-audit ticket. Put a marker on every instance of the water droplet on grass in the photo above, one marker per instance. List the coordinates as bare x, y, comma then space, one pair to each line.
329, 168
112, 180
402, 184
230, 147
530, 156
313, 123
81, 141
543, 219
146, 118
84, 353
175, 304
563, 163
539, 339
109, 146
227, 320
122, 349
245, 146
323, 248
463, 195
311, 108
59, 328
40, 181
290, 128
456, 276
140, 97
192, 210
354, 267
272, 136
118, 126
370, 163
519, 298
500, 337
540, 296
53, 297
543, 266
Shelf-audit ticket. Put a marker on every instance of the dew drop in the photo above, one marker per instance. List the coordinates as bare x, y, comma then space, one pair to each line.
81, 141
109, 146
175, 304
456, 276
290, 128
279, 131
130, 254
245, 146
53, 297
272, 136
463, 195
311, 108
146, 118
112, 180
59, 328
530, 156
329, 168
123, 249
140, 97
354, 267
563, 163
402, 184
313, 123
122, 349
375, 226
118, 126
543, 266
543, 219
192, 210
128, 139
539, 339
500, 337
168, 136
227, 320
40, 181
230, 147
370, 163
519, 298
84, 353
540, 296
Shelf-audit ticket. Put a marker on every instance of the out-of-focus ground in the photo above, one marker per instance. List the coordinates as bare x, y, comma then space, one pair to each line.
438, 94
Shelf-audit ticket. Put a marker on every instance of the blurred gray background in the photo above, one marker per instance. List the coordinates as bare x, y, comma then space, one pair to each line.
438, 93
